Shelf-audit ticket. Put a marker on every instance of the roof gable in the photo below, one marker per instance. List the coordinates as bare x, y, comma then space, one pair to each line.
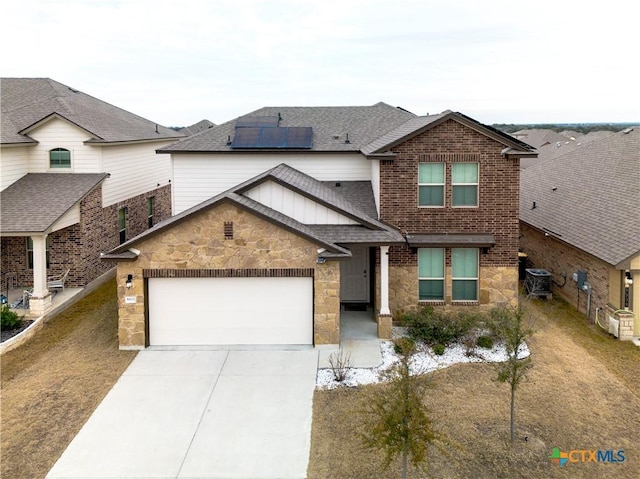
300, 183
419, 125
58, 191
27, 101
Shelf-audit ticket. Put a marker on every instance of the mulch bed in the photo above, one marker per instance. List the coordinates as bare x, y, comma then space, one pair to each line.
10, 333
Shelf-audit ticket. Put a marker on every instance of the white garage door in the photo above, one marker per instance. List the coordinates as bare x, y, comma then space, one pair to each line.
225, 311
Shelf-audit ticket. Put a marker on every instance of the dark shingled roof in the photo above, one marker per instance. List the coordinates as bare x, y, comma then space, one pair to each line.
589, 197
27, 101
331, 125
37, 200
329, 237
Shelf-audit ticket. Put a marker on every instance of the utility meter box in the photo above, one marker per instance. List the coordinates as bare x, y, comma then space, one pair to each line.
581, 278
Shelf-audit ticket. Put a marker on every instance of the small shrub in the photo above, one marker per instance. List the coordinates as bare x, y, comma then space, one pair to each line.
485, 342
339, 363
404, 346
438, 349
439, 327
9, 319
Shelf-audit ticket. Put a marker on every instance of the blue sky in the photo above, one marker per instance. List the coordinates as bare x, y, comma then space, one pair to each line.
177, 62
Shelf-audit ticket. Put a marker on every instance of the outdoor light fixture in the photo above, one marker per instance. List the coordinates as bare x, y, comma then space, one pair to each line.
628, 281
129, 281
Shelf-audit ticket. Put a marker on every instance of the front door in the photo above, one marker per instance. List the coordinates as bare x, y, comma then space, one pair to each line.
354, 276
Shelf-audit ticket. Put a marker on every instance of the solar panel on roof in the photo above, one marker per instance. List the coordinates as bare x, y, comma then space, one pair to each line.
273, 138
257, 121
300, 137
246, 138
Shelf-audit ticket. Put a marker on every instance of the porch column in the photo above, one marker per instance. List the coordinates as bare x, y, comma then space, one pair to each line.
40, 302
384, 281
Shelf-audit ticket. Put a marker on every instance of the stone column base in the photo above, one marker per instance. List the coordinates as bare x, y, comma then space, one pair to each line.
39, 306
385, 321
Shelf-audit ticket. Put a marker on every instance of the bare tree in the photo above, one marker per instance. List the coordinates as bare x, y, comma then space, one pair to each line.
511, 325
396, 419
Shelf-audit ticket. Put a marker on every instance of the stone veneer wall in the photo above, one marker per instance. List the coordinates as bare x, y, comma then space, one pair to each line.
199, 243
498, 286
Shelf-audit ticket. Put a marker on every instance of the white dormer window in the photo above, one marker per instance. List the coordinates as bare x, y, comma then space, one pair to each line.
59, 158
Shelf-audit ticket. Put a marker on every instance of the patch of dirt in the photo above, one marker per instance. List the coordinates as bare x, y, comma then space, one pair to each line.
54, 382
580, 394
10, 333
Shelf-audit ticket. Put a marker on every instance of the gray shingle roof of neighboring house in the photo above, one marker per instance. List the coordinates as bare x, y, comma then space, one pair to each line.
331, 125
538, 137
329, 236
56, 194
202, 125
559, 148
28, 101
590, 197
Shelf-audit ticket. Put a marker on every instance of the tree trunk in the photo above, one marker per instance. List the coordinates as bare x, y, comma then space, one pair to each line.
513, 415
404, 464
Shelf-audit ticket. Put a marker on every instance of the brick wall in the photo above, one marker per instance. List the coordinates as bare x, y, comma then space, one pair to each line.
497, 212
78, 247
557, 257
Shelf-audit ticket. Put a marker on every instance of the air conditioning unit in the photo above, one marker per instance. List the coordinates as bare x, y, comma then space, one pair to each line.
614, 326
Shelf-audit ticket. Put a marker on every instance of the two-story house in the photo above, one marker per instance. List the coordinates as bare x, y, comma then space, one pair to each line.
78, 177
287, 215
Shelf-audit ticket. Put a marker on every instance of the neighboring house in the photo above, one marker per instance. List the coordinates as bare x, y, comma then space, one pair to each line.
550, 144
580, 213
196, 128
287, 216
79, 176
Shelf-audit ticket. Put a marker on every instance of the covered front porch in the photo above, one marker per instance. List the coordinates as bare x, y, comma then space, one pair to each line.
59, 299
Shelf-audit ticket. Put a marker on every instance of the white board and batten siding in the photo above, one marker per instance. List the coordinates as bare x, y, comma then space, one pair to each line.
198, 177
296, 206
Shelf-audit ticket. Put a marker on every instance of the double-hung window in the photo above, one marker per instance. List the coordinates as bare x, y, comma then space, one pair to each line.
431, 184
431, 274
464, 184
464, 274
59, 158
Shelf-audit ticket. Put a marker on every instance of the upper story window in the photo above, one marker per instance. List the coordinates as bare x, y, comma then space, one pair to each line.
464, 184
431, 184
59, 158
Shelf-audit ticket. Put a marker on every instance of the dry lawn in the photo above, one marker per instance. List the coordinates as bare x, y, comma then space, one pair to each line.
52, 384
582, 393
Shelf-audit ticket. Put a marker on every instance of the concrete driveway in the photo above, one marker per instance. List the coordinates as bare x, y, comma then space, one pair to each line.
204, 414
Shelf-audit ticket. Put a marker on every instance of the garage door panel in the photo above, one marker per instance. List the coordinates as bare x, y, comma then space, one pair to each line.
225, 311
